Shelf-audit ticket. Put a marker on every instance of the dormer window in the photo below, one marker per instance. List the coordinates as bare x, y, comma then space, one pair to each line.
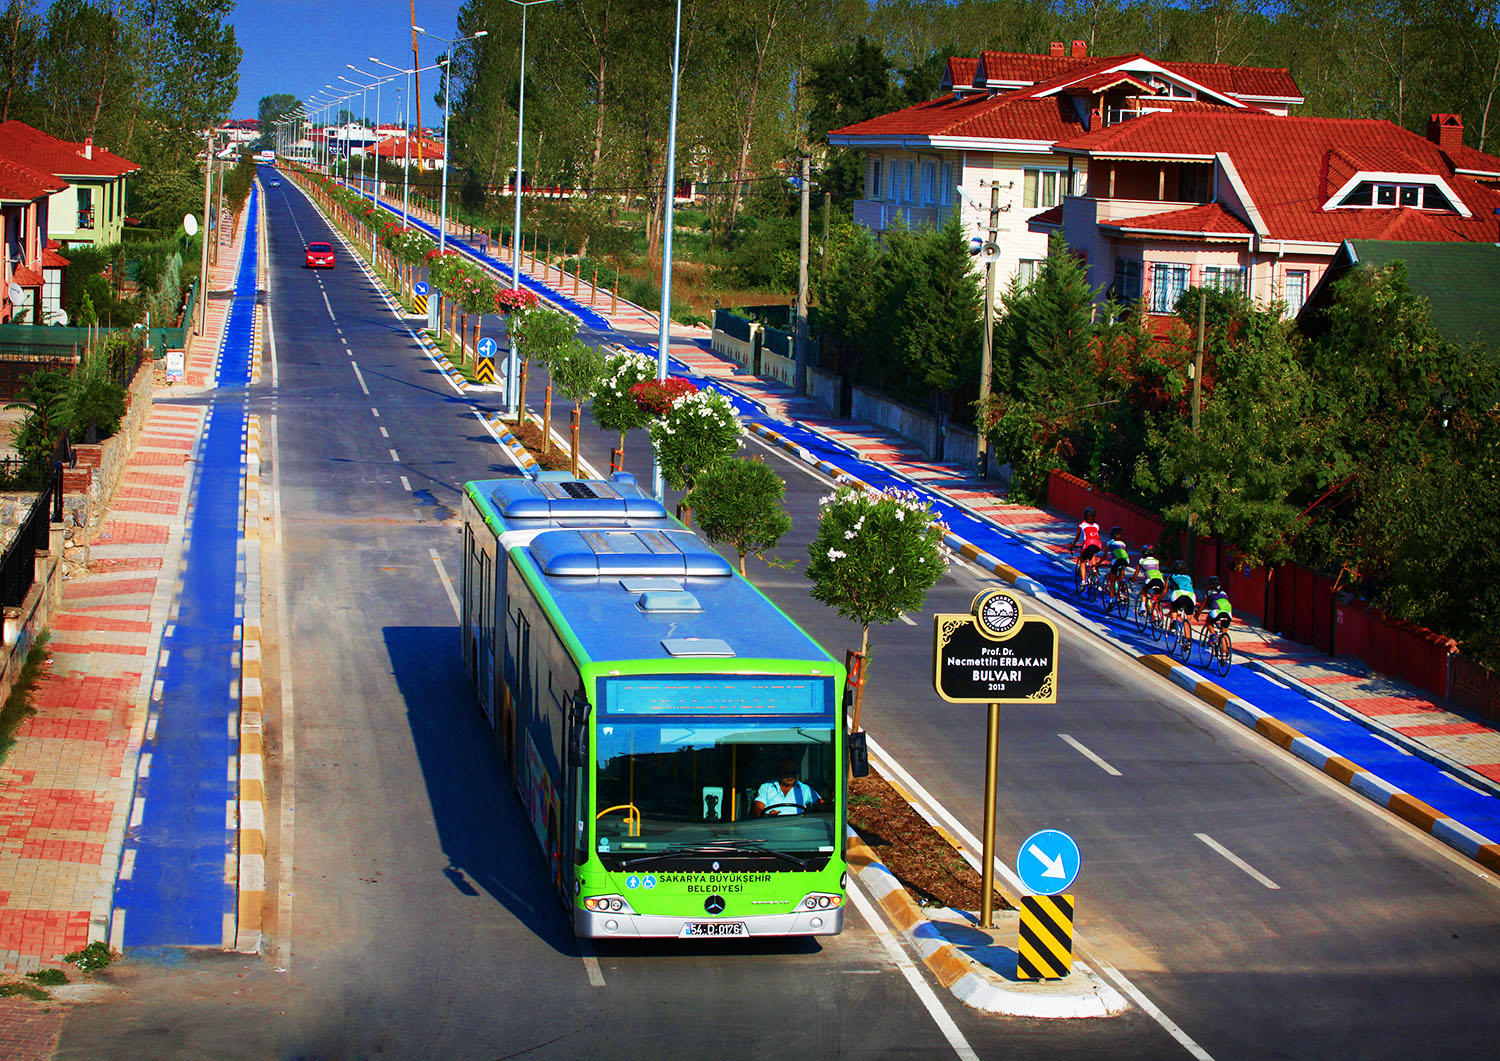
1385, 195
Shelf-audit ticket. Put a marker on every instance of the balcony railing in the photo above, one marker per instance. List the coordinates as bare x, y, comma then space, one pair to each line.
86, 219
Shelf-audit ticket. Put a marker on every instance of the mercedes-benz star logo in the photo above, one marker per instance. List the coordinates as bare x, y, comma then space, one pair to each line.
714, 904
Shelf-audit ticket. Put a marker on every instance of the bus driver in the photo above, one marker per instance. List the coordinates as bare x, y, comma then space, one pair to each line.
787, 795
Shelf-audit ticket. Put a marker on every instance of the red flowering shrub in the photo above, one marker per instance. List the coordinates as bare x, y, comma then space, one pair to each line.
508, 300
656, 396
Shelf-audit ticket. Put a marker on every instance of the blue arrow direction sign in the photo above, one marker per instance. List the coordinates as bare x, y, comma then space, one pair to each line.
1048, 862
420, 287
487, 347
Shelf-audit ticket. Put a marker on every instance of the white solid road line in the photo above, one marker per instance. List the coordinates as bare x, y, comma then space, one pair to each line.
1239, 863
287, 805
447, 582
887, 764
913, 975
591, 963
1090, 756
907, 619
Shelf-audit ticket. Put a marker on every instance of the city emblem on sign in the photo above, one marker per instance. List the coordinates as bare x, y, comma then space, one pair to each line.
995, 653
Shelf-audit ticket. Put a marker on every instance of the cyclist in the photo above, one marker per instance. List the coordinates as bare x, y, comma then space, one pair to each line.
1215, 603
1148, 569
1119, 559
1088, 536
1184, 597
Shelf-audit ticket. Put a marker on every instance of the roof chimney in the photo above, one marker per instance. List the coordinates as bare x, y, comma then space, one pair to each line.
1446, 130
1057, 48
1080, 49
88, 145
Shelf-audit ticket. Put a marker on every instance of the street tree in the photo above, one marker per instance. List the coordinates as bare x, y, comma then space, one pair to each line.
577, 369
875, 556
696, 432
739, 502
615, 407
542, 333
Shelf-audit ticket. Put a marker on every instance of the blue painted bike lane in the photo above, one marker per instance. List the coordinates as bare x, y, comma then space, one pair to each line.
1045, 577
181, 887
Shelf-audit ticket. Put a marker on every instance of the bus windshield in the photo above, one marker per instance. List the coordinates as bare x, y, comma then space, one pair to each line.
684, 791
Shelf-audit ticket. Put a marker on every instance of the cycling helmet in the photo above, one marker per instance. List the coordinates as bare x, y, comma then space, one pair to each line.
1213, 582
1178, 567
1088, 515
1116, 532
1148, 549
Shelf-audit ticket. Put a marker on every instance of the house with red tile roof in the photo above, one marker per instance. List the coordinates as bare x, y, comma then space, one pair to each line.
31, 274
420, 152
89, 209
992, 136
1260, 204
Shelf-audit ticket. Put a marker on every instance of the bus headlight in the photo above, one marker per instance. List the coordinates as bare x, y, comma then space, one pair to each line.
821, 901
607, 904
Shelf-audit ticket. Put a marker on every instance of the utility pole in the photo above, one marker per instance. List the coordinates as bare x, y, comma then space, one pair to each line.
219, 212
208, 174
799, 385
416, 93
987, 353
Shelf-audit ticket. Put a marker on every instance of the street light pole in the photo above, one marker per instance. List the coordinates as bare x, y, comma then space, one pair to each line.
512, 363
432, 303
208, 176
406, 127
663, 337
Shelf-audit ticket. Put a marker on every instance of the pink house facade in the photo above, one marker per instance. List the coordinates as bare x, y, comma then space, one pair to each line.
1260, 204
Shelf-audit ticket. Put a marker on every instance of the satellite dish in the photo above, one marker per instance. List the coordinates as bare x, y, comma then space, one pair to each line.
60, 316
15, 293
190, 224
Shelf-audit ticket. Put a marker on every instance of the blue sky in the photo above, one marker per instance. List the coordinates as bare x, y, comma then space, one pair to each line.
298, 46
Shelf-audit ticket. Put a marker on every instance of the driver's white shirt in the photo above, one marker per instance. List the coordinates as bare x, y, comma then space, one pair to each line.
771, 795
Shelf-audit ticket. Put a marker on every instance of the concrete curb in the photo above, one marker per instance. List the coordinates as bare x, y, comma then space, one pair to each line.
519, 453
251, 816
969, 981
1374, 788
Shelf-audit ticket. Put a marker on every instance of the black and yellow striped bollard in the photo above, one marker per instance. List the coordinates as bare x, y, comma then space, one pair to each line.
1045, 950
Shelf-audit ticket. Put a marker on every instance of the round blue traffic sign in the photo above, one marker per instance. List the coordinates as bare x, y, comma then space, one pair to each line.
487, 347
420, 287
1048, 862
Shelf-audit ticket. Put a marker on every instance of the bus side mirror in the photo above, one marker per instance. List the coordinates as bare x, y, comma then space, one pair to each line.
578, 736
858, 752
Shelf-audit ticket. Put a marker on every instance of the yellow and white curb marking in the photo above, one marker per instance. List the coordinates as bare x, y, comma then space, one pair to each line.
966, 979
251, 845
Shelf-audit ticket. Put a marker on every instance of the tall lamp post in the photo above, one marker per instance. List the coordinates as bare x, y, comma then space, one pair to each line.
380, 80
663, 337
406, 126
208, 176
364, 117
512, 362
432, 303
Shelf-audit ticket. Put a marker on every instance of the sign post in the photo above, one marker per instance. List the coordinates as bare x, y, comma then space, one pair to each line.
994, 654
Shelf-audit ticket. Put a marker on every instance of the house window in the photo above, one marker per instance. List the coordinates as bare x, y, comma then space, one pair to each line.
1224, 278
1127, 285
893, 180
1168, 282
85, 208
1295, 290
908, 189
1194, 184
1043, 187
51, 292
873, 191
929, 183
947, 183
1027, 269
1415, 195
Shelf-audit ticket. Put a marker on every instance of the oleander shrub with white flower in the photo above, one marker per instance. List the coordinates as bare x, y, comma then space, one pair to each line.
699, 430
614, 407
876, 554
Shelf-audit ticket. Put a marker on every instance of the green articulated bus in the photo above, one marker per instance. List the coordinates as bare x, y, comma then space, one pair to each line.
677, 742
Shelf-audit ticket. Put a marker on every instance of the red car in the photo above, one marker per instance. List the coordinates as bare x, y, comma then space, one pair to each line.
319, 256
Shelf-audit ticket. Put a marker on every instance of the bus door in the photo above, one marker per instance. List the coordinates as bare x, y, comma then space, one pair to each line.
485, 635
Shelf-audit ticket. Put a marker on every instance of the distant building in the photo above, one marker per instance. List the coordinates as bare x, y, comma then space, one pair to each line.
401, 150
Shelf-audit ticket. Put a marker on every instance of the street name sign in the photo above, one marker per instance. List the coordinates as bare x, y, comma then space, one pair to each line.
995, 654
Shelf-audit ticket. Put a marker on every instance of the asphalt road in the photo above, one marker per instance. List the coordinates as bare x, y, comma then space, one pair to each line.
413, 915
